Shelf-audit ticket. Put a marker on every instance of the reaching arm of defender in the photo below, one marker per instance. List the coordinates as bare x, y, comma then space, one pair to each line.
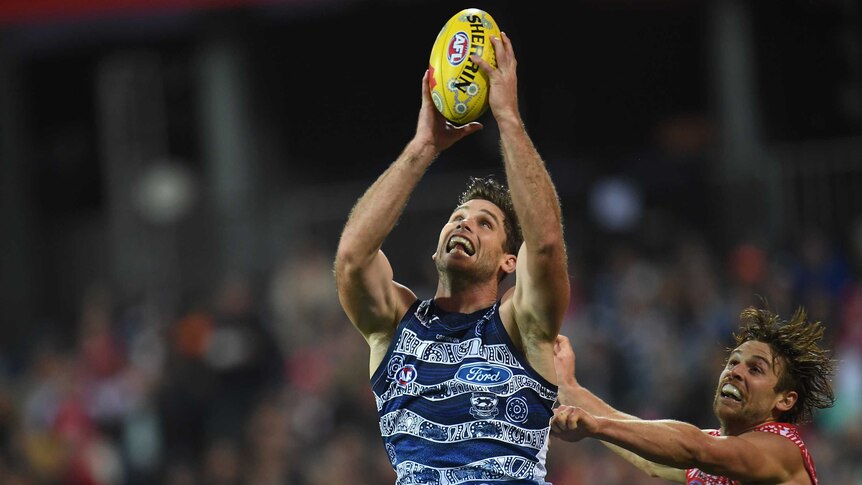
752, 456
370, 298
541, 293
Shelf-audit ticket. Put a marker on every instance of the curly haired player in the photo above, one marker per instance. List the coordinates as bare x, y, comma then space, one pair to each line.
775, 378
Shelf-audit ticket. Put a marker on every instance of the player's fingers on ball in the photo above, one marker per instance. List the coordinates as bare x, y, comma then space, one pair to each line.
425, 87
505, 41
499, 49
469, 128
504, 45
483, 64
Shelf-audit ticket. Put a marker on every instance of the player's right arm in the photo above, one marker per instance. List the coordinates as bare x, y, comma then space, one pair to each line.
373, 302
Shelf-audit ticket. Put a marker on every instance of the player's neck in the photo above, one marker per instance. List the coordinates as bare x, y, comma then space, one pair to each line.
736, 429
467, 299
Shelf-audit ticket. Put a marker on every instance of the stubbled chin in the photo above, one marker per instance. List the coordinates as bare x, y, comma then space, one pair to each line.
729, 403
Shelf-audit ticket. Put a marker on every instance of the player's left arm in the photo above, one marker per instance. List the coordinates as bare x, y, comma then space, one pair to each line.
754, 456
541, 293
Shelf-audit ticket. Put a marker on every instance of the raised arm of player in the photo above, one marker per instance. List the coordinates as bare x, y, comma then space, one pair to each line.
364, 278
541, 293
750, 457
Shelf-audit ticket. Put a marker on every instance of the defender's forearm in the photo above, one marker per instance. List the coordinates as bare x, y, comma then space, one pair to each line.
668, 442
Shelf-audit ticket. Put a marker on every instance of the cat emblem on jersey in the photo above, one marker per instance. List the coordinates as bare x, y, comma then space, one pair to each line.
483, 405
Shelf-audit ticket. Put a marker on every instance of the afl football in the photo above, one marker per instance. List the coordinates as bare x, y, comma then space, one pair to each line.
458, 85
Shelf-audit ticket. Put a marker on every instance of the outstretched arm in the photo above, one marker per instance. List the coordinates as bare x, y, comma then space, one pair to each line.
541, 293
752, 456
364, 278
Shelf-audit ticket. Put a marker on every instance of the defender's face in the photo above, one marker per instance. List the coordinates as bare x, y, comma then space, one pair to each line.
746, 396
473, 239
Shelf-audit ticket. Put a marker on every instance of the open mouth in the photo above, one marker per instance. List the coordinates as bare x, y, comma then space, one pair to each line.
729, 391
461, 243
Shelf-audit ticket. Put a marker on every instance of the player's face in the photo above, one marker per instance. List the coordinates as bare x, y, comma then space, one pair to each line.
746, 396
473, 239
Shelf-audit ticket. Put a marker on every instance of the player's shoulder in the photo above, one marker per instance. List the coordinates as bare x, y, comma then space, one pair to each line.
404, 298
776, 441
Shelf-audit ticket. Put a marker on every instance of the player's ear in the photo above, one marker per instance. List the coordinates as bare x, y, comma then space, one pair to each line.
786, 401
510, 261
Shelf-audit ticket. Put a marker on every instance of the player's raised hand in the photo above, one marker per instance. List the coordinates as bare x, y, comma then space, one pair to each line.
503, 80
564, 362
433, 129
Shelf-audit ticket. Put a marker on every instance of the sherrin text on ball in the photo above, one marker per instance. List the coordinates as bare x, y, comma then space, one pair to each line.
458, 85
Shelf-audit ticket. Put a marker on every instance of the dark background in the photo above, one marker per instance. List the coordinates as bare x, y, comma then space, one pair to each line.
730, 130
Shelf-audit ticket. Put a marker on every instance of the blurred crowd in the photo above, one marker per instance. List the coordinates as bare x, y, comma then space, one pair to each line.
264, 381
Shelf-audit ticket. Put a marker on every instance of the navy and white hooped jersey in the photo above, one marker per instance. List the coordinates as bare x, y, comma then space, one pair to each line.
459, 404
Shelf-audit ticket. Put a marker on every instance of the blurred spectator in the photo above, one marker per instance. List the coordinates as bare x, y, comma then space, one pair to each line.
231, 389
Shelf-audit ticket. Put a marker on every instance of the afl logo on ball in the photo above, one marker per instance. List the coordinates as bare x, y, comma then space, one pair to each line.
405, 375
458, 48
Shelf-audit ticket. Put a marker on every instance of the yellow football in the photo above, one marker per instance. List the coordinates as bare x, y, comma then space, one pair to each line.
458, 85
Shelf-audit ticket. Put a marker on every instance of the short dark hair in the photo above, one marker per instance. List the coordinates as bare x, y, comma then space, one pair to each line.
488, 188
807, 368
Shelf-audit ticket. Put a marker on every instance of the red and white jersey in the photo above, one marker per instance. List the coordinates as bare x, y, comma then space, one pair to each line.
694, 476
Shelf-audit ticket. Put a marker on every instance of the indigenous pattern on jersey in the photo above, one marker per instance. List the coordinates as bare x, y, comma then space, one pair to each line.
459, 404
693, 476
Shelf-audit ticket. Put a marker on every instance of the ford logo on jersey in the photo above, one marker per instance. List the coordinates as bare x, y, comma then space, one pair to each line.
483, 374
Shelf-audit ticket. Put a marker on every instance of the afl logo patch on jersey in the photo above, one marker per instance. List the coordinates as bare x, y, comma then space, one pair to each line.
458, 48
483, 374
406, 375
